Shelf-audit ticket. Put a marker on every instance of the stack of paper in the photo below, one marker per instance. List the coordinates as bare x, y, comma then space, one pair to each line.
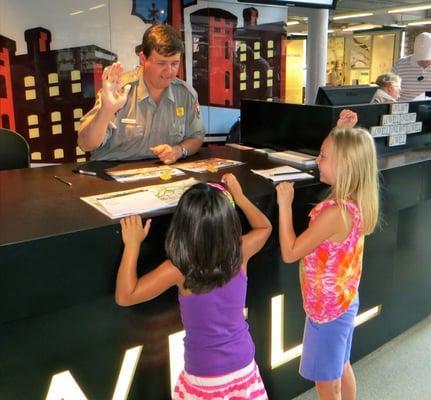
294, 158
284, 173
140, 200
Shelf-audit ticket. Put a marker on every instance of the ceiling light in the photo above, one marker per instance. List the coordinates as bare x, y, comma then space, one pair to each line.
418, 23
397, 25
337, 17
96, 7
406, 9
361, 27
292, 23
76, 12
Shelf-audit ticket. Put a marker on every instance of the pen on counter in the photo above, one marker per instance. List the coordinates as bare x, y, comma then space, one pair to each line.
63, 180
84, 172
286, 173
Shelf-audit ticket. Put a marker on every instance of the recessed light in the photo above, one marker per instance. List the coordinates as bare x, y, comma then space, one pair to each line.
338, 17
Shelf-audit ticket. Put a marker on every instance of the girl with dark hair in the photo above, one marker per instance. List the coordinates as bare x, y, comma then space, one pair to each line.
207, 260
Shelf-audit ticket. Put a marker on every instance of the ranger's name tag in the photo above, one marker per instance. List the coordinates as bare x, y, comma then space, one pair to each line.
128, 121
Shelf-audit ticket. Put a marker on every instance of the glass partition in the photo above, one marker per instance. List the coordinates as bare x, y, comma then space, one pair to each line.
52, 55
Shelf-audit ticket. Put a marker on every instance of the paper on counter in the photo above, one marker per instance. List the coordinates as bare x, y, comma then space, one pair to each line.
133, 203
283, 173
139, 200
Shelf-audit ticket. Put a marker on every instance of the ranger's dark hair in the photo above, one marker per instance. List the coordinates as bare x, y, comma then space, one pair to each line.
162, 38
204, 238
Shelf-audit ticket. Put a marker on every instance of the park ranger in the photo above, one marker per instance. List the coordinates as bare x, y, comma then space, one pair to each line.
147, 112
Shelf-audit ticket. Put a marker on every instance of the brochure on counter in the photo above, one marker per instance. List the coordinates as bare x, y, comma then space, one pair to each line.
140, 200
208, 165
164, 172
283, 173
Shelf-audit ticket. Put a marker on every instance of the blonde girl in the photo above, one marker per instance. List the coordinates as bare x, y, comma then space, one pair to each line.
331, 250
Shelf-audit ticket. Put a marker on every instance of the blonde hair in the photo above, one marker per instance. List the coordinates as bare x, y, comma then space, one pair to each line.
356, 175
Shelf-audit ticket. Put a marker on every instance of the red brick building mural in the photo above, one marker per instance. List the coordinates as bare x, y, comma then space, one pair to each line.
49, 92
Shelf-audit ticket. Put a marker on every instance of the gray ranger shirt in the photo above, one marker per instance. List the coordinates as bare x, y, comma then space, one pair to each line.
141, 123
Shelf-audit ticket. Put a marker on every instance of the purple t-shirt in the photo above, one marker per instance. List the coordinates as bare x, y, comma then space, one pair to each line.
217, 339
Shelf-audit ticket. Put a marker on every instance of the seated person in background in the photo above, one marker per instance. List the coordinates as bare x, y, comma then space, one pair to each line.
389, 88
147, 112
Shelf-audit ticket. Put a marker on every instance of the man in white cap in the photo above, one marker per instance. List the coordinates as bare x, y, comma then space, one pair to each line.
415, 70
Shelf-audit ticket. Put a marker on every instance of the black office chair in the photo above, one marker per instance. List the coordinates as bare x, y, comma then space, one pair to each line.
14, 150
234, 135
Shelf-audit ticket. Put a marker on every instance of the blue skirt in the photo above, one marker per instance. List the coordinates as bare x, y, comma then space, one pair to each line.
326, 347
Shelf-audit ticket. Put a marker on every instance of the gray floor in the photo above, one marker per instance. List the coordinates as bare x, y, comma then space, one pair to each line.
399, 370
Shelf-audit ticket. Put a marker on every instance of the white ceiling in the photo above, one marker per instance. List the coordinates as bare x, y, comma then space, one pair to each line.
378, 7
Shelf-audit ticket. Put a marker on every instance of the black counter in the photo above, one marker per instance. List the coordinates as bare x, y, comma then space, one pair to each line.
59, 257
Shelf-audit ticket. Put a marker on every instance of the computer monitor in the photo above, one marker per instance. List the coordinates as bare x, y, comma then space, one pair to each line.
345, 95
296, 3
280, 126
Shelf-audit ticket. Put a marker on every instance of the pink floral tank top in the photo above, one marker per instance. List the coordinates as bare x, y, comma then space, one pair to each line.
330, 275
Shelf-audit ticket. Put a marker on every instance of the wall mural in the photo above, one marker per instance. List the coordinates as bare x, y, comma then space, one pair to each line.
45, 92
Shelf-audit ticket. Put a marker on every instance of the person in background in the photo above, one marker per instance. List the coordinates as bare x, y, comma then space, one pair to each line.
389, 88
331, 251
250, 16
415, 70
333, 78
207, 261
147, 112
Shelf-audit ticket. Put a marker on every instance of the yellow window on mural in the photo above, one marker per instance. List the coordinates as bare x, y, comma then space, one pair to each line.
242, 76
242, 86
30, 94
36, 156
75, 75
78, 151
256, 74
54, 91
33, 133
29, 81
76, 87
56, 129
53, 78
58, 153
32, 119
256, 45
76, 125
270, 44
55, 116
77, 113
256, 84
269, 73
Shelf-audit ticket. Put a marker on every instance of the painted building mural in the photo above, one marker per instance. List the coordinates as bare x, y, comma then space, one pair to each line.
50, 91
44, 92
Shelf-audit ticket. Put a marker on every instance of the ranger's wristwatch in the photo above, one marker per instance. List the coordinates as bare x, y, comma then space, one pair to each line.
184, 151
